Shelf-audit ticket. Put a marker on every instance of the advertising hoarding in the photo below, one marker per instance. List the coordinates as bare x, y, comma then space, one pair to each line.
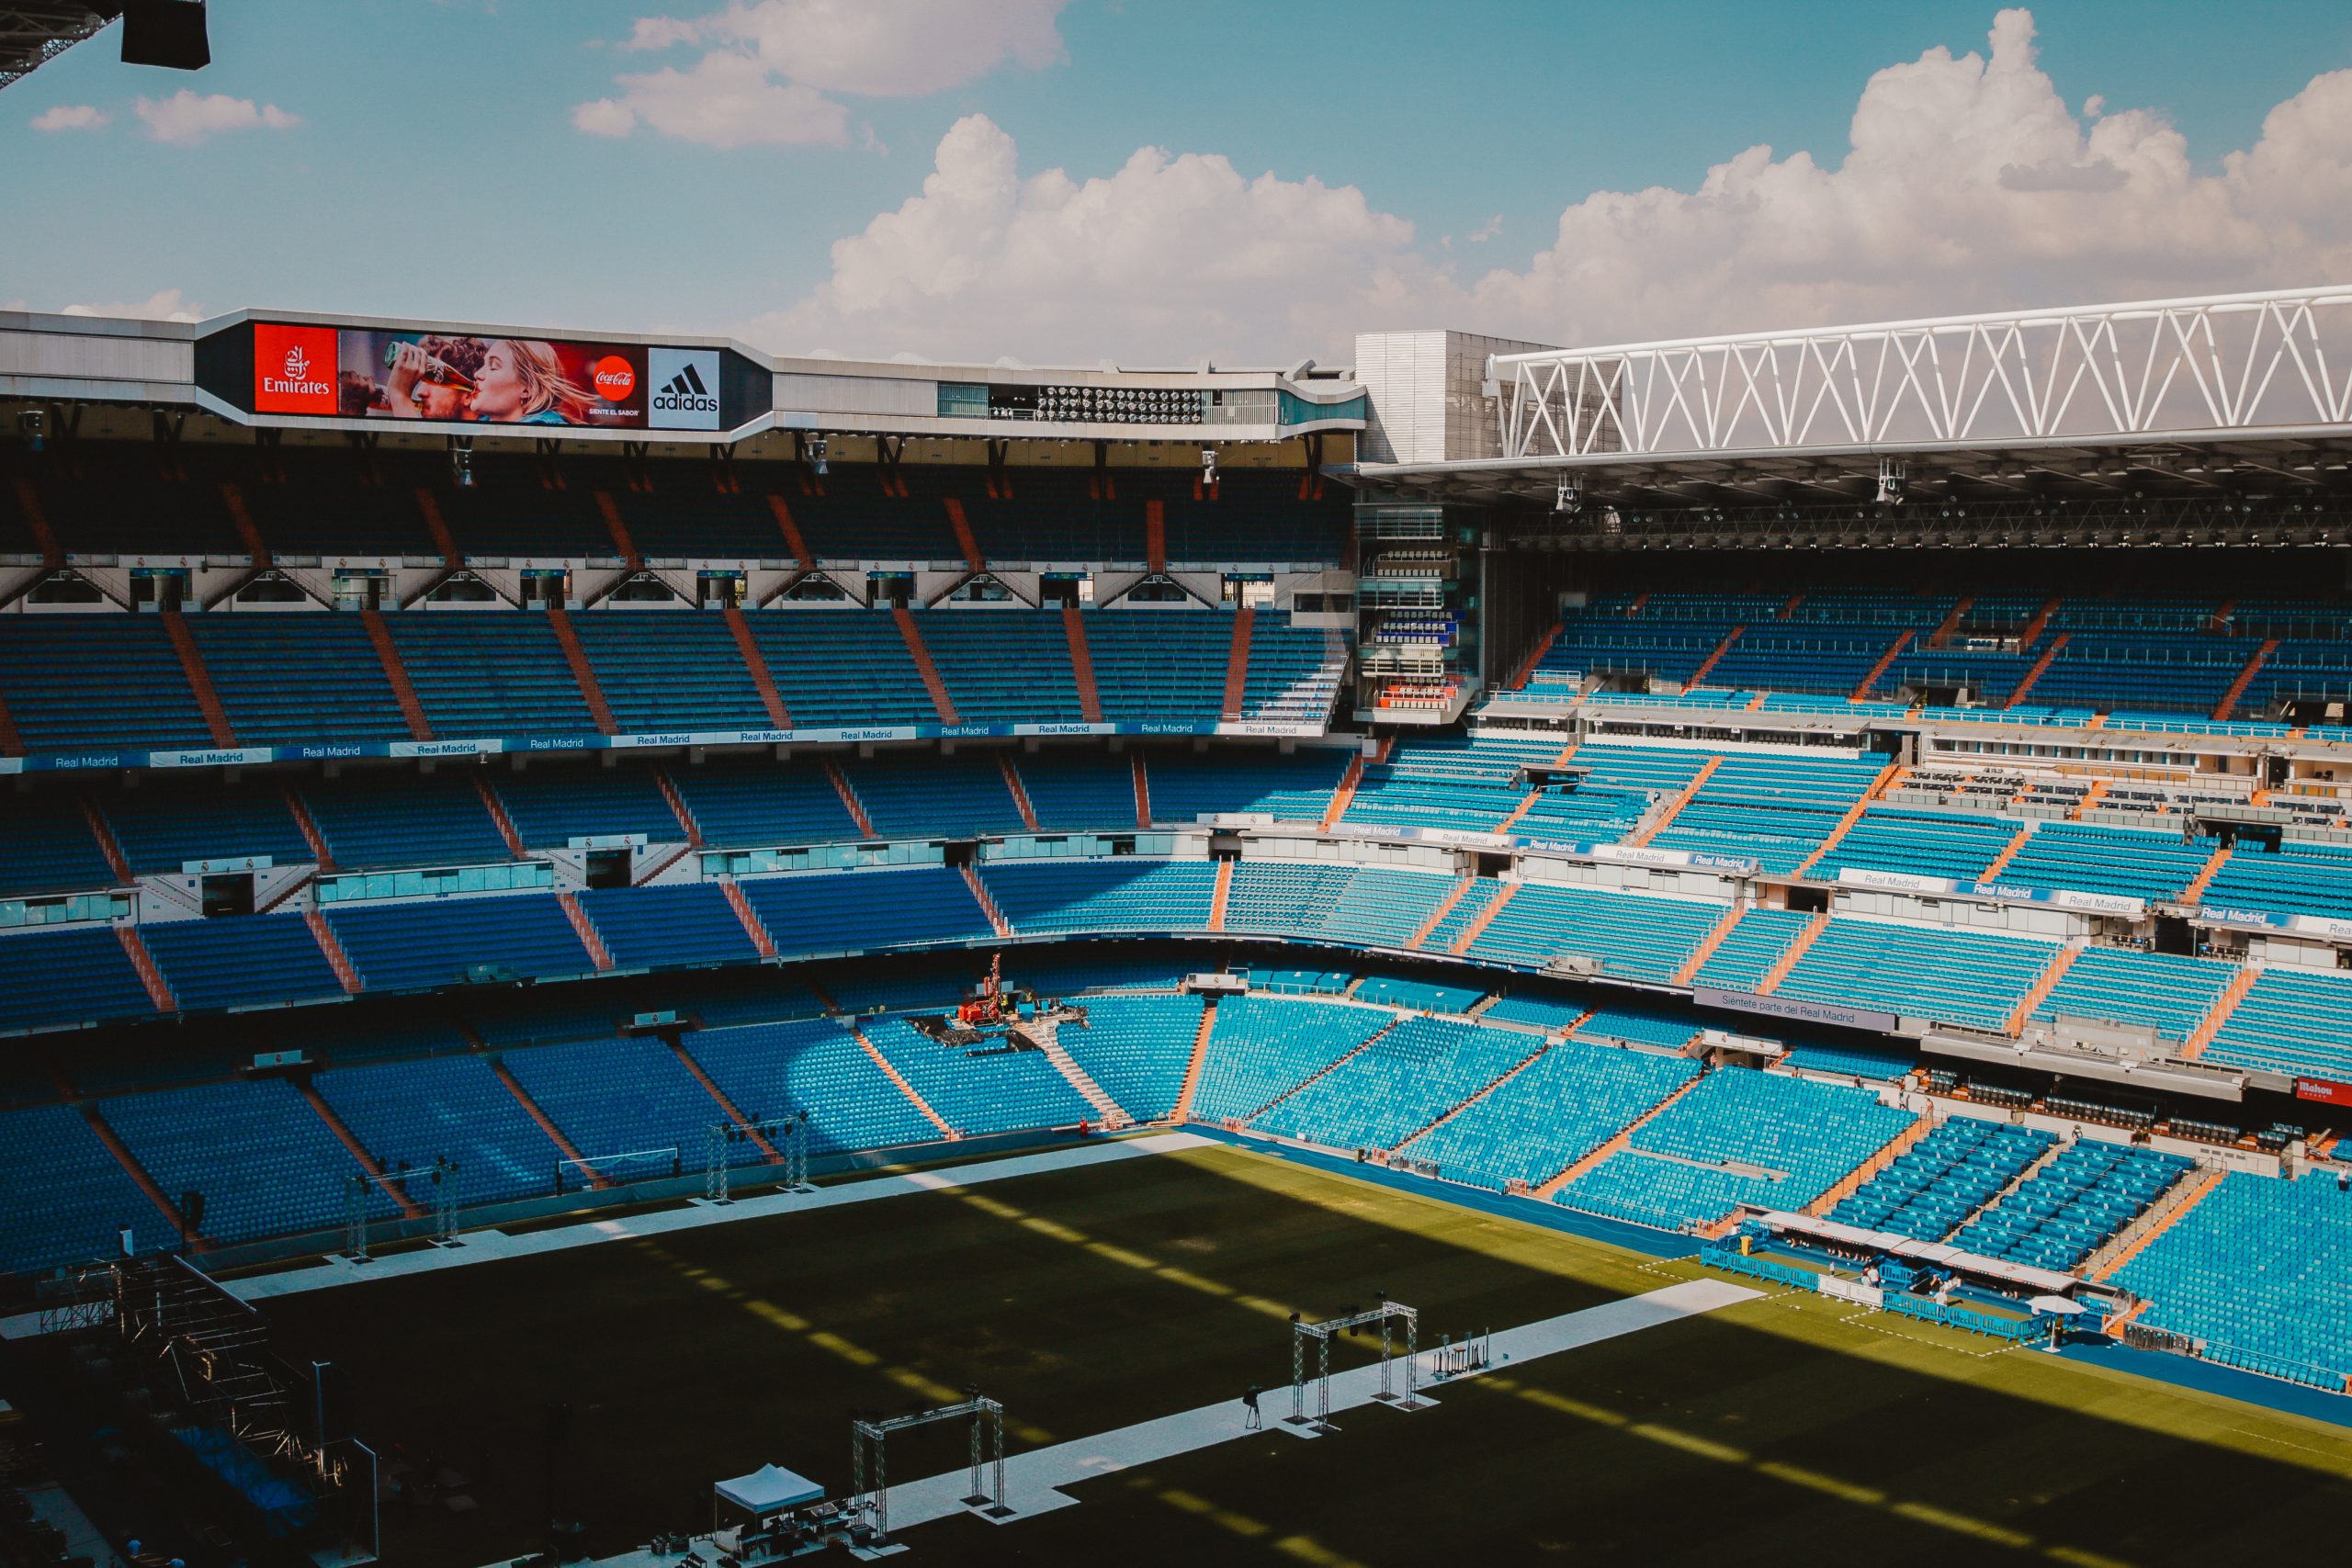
452, 378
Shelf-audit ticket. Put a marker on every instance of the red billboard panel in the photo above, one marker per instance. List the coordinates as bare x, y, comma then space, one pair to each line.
2322, 1090
294, 368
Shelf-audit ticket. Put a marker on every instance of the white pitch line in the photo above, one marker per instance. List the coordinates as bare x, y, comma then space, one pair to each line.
495, 1245
1032, 1480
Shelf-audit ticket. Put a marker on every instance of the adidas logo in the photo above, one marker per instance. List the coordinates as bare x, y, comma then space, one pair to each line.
685, 394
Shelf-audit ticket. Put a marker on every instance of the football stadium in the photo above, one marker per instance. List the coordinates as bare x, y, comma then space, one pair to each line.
1716, 948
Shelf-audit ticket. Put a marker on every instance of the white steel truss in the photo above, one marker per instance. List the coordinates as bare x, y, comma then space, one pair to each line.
2251, 364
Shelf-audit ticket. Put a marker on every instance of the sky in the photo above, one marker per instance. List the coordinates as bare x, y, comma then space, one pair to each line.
1162, 182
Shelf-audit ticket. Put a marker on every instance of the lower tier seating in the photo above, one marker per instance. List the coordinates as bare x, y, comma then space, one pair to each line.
1406, 1078
411, 1114
989, 1088
262, 1159
1740, 1136
1551, 1113
1261, 1048
85, 1196
1944, 1178
2261, 1269
1137, 1048
2070, 1206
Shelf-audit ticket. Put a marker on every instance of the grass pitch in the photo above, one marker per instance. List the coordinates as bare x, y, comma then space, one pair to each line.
1792, 1428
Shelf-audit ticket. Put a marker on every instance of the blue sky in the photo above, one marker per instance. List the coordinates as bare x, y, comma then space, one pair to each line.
399, 157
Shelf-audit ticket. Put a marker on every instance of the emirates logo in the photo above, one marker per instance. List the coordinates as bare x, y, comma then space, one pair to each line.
297, 363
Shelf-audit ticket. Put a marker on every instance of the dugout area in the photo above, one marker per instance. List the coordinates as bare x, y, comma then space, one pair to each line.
1089, 1299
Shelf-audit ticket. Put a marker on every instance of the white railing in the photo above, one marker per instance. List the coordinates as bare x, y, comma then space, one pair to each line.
2238, 363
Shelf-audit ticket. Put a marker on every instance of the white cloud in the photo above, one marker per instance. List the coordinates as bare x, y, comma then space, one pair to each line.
186, 118
72, 116
167, 305
768, 65
896, 48
1171, 257
1968, 185
725, 100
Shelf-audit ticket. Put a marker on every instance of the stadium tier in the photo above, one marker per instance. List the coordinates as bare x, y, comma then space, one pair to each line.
412, 679
572, 829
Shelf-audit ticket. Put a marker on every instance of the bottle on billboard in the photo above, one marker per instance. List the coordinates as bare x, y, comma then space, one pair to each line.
429, 366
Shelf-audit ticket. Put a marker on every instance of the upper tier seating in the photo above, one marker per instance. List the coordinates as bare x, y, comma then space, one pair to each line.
430, 943
842, 667
117, 505
2088, 859
2262, 1270
240, 963
1631, 937
1352, 905
2292, 1020
487, 672
1164, 664
1186, 786
341, 695
1918, 843
1774, 810
2298, 878
670, 669
2150, 991
668, 927
312, 677
75, 683
385, 819
163, 829
1948, 975
1117, 895
46, 846
1550, 1114
1004, 666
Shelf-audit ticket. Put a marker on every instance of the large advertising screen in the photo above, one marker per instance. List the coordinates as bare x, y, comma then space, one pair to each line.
451, 378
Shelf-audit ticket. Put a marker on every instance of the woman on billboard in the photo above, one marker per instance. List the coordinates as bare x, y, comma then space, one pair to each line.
515, 381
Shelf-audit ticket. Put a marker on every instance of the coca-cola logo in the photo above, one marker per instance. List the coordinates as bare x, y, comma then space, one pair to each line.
614, 378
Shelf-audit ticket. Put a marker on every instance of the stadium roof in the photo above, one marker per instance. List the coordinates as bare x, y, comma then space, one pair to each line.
34, 32
2177, 398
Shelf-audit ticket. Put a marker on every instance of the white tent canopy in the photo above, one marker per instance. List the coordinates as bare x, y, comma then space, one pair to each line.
768, 1488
